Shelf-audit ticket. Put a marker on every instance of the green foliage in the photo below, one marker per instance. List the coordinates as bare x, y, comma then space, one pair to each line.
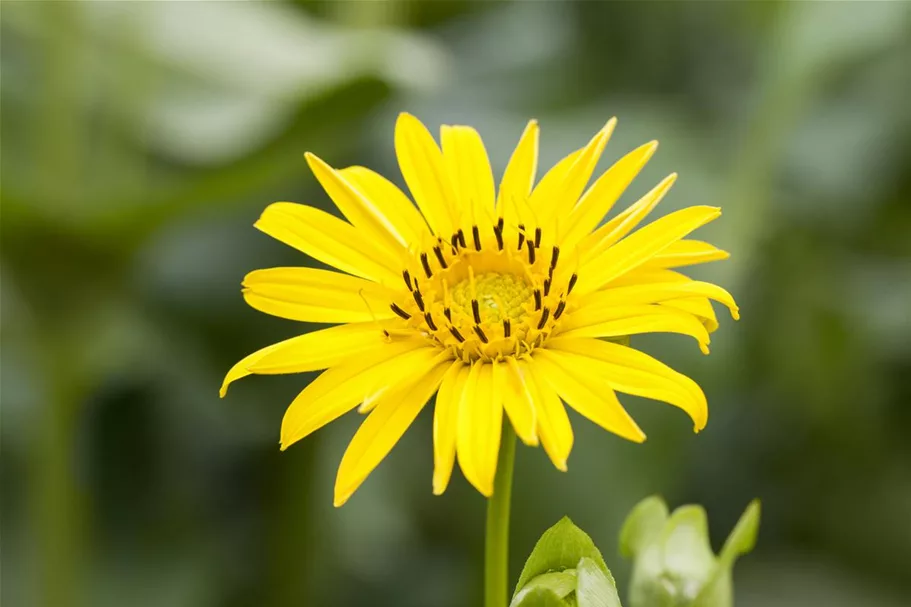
560, 548
566, 566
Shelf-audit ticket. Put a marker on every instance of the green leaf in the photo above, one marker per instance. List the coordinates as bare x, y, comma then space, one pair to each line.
688, 555
743, 538
541, 597
561, 583
594, 587
718, 591
560, 547
643, 525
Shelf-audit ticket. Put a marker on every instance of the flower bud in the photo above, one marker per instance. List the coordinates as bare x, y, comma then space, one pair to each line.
673, 562
565, 569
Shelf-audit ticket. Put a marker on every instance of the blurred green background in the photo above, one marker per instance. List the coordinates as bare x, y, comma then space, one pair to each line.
140, 140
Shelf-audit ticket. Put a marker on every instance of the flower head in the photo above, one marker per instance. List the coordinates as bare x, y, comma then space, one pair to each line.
496, 300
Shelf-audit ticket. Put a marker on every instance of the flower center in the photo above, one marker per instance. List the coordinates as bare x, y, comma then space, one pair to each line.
497, 293
499, 297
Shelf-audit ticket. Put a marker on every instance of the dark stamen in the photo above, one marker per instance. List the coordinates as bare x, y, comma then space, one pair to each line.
498, 232
456, 334
547, 282
553, 259
507, 327
558, 312
461, 236
426, 263
537, 237
395, 308
521, 236
572, 283
543, 320
501, 223
476, 234
439, 254
454, 241
448, 314
531, 252
418, 299
480, 333
537, 295
407, 276
429, 320
476, 310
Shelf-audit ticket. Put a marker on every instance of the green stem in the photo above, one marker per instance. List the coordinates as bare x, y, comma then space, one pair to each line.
496, 547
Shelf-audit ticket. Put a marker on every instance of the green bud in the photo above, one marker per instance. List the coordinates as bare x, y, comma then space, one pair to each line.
673, 562
565, 569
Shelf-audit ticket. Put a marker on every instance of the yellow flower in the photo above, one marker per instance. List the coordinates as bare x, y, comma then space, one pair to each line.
494, 300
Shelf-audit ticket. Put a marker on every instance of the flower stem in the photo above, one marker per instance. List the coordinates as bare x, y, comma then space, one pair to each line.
496, 547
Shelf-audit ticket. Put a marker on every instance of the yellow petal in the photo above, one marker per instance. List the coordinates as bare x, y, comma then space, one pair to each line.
576, 384
588, 314
644, 275
519, 176
330, 240
406, 221
554, 429
311, 295
686, 253
624, 223
308, 352
383, 428
341, 388
553, 198
639, 247
321, 349
480, 427
601, 196
697, 306
360, 210
239, 370
518, 400
633, 372
470, 175
549, 186
659, 320
445, 424
421, 162
650, 293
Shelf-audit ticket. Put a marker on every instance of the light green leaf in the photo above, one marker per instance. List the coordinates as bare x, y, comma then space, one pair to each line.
643, 525
743, 538
718, 591
541, 597
560, 547
688, 555
561, 583
595, 588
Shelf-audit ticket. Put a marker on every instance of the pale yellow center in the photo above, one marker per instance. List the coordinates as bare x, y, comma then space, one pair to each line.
499, 296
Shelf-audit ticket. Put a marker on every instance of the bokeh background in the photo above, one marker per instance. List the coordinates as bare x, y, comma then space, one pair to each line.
140, 140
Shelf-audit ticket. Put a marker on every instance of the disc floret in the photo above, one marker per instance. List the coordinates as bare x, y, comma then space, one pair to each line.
491, 298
